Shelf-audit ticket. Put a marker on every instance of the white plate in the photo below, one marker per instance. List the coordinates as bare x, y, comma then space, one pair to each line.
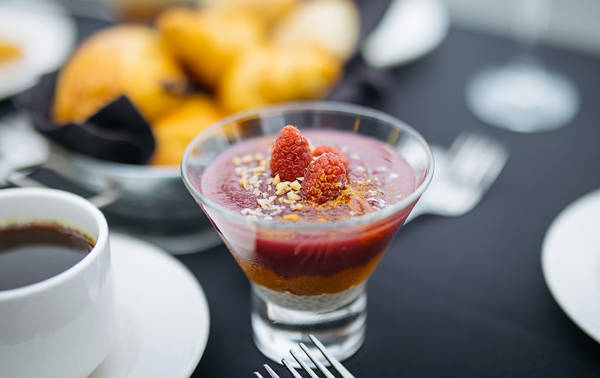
162, 314
409, 30
46, 36
571, 262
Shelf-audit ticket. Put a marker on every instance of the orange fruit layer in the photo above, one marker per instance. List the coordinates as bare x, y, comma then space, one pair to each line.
309, 285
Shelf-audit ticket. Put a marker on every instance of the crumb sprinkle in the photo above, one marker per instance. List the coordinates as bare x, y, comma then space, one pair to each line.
279, 200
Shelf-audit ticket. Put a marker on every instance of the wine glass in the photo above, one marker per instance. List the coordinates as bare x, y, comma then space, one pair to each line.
523, 95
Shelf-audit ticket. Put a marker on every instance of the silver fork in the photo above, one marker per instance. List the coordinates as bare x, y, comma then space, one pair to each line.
463, 174
315, 360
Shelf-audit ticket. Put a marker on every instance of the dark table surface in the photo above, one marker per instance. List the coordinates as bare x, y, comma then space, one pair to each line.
453, 297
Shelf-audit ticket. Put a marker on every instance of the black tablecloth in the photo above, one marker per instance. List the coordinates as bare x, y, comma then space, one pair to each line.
455, 297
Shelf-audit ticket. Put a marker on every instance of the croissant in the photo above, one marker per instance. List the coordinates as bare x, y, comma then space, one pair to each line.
174, 131
208, 41
123, 60
277, 74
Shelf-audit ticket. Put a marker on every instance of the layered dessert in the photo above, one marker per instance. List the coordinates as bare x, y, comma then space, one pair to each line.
302, 194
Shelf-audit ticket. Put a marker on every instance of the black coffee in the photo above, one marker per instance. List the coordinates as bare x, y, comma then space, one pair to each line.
33, 252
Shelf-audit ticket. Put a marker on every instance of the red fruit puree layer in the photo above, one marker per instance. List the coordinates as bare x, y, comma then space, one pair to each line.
240, 180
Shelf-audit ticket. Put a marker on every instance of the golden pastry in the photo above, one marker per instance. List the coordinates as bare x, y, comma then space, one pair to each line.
271, 10
208, 41
175, 131
138, 10
127, 59
333, 25
277, 74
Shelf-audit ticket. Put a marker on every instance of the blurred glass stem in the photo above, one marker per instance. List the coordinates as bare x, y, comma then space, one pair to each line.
529, 23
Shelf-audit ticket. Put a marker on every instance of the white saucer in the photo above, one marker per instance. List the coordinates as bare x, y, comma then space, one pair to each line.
162, 314
46, 36
409, 30
571, 262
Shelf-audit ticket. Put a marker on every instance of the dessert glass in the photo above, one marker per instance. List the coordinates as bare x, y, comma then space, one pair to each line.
291, 296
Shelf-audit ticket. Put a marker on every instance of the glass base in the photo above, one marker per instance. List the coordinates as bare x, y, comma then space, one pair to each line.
277, 330
522, 96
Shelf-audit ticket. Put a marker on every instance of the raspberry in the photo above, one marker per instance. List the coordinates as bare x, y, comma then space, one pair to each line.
291, 154
324, 179
320, 150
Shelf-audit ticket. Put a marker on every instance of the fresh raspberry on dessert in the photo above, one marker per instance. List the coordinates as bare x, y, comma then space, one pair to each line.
324, 148
324, 179
291, 154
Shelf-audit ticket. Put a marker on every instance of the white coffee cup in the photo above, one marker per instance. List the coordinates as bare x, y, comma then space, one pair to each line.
63, 326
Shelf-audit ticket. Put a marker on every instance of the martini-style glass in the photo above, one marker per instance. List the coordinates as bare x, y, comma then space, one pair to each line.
291, 296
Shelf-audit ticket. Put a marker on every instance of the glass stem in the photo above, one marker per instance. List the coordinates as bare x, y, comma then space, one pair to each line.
529, 22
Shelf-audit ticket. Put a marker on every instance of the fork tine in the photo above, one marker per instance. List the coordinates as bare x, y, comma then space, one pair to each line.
492, 160
315, 361
332, 360
290, 368
495, 148
457, 148
476, 171
464, 174
461, 154
303, 364
270, 371
474, 159
258, 375
493, 172
467, 143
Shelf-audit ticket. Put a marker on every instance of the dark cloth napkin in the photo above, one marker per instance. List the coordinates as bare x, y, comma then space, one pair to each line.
363, 84
119, 133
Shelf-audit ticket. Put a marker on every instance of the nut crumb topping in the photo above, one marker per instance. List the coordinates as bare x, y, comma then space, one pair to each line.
258, 170
283, 187
295, 185
277, 199
293, 196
